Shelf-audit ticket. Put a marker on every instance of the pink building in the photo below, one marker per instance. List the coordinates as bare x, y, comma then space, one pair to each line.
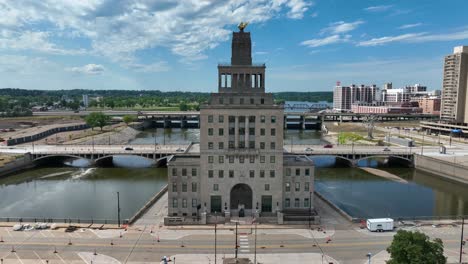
383, 109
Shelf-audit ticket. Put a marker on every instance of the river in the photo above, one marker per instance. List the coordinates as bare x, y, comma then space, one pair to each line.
90, 193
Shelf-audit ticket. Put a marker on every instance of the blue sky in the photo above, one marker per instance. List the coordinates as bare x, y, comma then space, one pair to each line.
176, 44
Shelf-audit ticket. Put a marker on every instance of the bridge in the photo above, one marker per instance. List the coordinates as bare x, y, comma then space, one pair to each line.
300, 120
102, 153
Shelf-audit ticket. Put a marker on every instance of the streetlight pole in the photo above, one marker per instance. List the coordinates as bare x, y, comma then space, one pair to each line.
310, 207
236, 241
255, 249
118, 209
215, 238
461, 239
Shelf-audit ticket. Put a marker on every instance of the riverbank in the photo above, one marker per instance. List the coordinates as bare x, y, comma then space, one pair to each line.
10, 164
442, 167
384, 174
119, 135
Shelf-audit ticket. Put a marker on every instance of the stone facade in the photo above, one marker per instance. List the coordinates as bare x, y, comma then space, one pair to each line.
241, 167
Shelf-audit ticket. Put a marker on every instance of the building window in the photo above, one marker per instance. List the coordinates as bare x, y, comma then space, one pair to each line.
252, 131
184, 187
262, 119
272, 145
231, 144
273, 132
232, 119
194, 203
231, 174
272, 159
210, 174
297, 187
220, 174
287, 203
251, 144
252, 101
252, 173
241, 119
252, 159
184, 203
262, 131
262, 174
241, 101
262, 101
221, 131
306, 202
298, 172
221, 159
231, 159
296, 202
231, 100
262, 159
215, 187
210, 131
307, 172
242, 144
174, 171
267, 187
241, 159
262, 145
306, 186
174, 187
221, 119
210, 145
210, 119
194, 187
288, 171
273, 119
232, 131
221, 100
174, 203
251, 119
220, 145
287, 187
184, 172
272, 174
210, 159
194, 172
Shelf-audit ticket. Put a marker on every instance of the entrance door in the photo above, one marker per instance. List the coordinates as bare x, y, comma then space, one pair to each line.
241, 194
216, 204
266, 203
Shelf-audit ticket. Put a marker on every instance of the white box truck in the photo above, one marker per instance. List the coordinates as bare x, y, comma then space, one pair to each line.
380, 224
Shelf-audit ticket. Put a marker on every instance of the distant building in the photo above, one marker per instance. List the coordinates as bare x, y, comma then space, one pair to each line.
429, 105
85, 100
388, 86
345, 96
381, 108
455, 86
342, 98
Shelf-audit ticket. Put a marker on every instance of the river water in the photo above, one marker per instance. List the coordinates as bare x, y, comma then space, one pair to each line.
90, 193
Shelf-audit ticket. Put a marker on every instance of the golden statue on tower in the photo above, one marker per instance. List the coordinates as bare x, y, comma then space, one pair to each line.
242, 25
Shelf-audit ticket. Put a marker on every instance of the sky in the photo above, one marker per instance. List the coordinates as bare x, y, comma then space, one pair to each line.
175, 45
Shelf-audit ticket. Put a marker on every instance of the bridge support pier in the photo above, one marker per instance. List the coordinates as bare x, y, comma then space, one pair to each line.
285, 122
302, 122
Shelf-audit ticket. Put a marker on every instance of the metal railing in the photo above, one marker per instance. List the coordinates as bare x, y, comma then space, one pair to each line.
58, 220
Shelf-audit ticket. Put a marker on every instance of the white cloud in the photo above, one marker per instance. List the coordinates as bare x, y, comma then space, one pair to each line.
119, 29
415, 38
313, 43
410, 25
342, 27
153, 67
33, 40
91, 69
261, 52
379, 8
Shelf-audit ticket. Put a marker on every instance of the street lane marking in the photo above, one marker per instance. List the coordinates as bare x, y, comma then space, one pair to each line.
37, 255
60, 258
19, 258
8, 231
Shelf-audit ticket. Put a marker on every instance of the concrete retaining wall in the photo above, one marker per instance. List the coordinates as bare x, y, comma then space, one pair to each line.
341, 212
18, 165
441, 168
150, 203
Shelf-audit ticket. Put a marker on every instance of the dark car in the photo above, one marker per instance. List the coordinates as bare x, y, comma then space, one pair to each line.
328, 146
386, 149
128, 148
71, 229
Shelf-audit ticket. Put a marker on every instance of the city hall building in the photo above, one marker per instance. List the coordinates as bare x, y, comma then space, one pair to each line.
242, 169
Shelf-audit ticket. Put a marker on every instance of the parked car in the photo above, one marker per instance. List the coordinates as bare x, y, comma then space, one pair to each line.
386, 149
4, 130
128, 148
70, 229
328, 146
308, 149
11, 129
180, 150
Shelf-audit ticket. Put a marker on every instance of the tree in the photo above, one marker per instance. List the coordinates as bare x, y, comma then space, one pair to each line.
415, 248
128, 119
97, 119
183, 106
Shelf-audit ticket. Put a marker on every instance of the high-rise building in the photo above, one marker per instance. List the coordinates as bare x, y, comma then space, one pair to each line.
85, 100
455, 85
342, 98
345, 96
241, 170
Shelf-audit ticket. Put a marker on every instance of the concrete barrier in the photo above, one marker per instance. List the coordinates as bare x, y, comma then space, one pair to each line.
150, 203
341, 212
442, 168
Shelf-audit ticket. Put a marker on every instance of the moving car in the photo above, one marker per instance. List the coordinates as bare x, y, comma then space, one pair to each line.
328, 146
386, 149
308, 149
128, 148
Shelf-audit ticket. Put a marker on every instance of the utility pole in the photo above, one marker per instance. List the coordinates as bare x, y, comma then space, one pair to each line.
236, 241
461, 239
118, 209
216, 223
255, 250
310, 207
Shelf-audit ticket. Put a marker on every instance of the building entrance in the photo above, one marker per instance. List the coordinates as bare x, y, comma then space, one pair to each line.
241, 199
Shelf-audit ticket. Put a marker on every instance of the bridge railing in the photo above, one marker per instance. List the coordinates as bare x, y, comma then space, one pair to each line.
59, 220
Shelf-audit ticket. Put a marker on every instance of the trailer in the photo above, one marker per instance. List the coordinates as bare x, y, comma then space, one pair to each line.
380, 224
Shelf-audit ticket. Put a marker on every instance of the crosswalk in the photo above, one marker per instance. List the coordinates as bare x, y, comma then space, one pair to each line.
244, 243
